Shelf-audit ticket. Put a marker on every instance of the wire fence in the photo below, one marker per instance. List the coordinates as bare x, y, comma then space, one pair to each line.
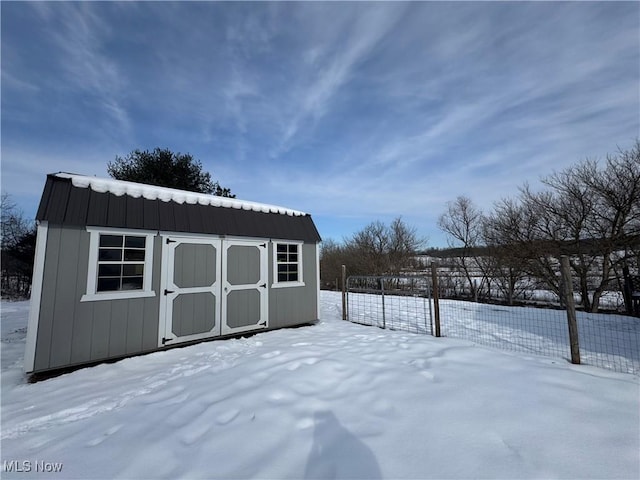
529, 330
406, 303
610, 341
396, 303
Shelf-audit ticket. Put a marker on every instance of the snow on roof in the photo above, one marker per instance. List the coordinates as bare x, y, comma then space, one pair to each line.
152, 192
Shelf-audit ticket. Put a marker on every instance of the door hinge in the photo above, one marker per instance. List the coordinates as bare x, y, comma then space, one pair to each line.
264, 285
165, 340
170, 241
263, 324
167, 292
263, 245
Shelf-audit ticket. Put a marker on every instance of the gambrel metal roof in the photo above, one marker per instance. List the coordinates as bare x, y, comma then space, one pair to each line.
78, 200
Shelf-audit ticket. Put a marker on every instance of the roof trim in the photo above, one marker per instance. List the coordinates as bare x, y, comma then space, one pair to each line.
152, 192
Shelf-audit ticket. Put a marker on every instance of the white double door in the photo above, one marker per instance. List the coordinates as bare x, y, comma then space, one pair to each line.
211, 287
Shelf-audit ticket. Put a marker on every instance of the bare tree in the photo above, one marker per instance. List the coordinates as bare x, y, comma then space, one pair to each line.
403, 245
518, 231
462, 222
588, 212
568, 206
379, 249
14, 225
18, 248
616, 213
368, 249
332, 257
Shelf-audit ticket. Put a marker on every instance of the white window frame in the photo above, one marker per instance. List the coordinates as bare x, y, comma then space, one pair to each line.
92, 275
285, 284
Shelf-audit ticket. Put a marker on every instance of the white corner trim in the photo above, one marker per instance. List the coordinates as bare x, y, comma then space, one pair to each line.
36, 295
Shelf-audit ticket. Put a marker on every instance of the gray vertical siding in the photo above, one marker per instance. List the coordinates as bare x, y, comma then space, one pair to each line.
47, 299
71, 332
151, 305
80, 348
66, 282
101, 323
290, 306
133, 340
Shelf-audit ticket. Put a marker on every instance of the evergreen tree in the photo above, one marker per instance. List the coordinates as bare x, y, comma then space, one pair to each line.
164, 168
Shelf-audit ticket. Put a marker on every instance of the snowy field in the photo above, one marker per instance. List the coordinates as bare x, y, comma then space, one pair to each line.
334, 400
606, 340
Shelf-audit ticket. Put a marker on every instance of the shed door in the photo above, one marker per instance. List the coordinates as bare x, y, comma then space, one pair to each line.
191, 291
244, 286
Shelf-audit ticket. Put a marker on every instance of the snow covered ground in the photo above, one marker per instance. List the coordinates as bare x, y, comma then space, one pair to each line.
334, 400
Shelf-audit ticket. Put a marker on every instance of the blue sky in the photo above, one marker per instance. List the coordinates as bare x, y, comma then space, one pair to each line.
353, 112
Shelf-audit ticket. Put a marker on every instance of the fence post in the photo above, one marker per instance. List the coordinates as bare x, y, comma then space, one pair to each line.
436, 302
626, 291
571, 309
384, 320
344, 292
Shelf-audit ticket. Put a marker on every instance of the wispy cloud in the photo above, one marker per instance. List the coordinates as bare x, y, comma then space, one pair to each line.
14, 83
335, 62
81, 37
346, 110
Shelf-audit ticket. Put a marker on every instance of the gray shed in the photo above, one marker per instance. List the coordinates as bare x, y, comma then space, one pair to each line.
123, 268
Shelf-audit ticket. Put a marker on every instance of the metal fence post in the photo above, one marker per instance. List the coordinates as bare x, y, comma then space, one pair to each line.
436, 302
571, 309
424, 300
344, 292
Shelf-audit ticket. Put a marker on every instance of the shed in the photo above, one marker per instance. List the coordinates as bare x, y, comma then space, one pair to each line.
123, 268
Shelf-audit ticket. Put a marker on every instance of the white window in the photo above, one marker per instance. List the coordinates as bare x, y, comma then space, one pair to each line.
287, 264
120, 265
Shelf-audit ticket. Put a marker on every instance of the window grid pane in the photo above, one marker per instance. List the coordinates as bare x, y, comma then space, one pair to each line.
131, 283
134, 242
133, 255
108, 284
111, 241
109, 270
110, 254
